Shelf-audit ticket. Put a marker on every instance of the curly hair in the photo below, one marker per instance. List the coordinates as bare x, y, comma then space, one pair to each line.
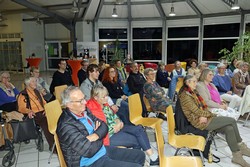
106, 77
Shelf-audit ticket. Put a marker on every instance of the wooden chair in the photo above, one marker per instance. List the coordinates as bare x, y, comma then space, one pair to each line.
184, 65
174, 161
181, 142
58, 92
179, 84
135, 112
53, 111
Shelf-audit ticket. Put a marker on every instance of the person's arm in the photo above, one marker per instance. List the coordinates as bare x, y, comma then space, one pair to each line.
111, 89
21, 103
80, 77
131, 85
237, 81
204, 92
86, 89
150, 91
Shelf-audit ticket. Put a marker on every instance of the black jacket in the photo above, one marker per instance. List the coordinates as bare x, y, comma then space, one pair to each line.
72, 136
114, 89
82, 75
136, 82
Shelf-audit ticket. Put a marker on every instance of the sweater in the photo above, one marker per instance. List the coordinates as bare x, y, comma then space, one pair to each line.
135, 82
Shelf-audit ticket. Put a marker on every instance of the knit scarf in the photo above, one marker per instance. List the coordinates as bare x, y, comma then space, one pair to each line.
122, 72
243, 76
197, 97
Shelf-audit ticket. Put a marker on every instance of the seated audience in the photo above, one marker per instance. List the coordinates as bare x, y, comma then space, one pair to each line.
212, 98
31, 102
61, 76
241, 79
80, 135
154, 93
197, 113
237, 65
42, 85
135, 83
110, 81
162, 76
228, 72
82, 73
122, 76
224, 85
232, 65
92, 80
8, 93
128, 60
119, 134
178, 72
202, 66
194, 70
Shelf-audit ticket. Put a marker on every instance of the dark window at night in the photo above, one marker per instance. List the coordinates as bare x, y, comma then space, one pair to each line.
247, 27
147, 33
182, 50
222, 30
183, 32
211, 48
147, 50
112, 33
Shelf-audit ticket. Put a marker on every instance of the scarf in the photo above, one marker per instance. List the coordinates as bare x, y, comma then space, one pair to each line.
8, 91
197, 97
243, 76
122, 72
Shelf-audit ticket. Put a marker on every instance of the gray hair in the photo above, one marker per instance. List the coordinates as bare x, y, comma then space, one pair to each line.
243, 64
98, 90
66, 94
187, 78
204, 74
27, 80
2, 74
147, 70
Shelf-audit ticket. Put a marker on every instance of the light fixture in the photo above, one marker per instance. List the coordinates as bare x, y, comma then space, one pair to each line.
235, 6
172, 13
114, 14
74, 8
38, 21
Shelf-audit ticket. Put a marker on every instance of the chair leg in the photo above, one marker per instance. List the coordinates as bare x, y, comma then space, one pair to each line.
202, 158
215, 146
51, 154
245, 122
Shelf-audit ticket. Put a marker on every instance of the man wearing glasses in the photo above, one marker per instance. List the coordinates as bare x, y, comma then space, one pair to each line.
80, 135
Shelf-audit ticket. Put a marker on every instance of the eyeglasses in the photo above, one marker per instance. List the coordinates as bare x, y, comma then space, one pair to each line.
103, 97
6, 77
78, 101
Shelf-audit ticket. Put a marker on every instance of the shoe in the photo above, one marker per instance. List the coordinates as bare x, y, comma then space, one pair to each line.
238, 159
161, 116
27, 141
244, 149
156, 162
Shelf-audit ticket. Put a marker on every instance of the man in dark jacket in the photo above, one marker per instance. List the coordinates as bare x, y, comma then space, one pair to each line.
80, 135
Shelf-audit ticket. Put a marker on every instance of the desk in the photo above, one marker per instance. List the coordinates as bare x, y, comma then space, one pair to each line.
34, 62
75, 66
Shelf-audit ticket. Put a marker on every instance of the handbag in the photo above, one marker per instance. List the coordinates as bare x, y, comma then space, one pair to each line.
24, 130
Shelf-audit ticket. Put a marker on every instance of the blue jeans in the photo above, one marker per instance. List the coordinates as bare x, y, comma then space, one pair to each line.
172, 86
131, 136
123, 112
120, 157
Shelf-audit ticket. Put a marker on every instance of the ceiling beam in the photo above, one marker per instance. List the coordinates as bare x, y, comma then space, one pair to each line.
85, 9
194, 7
39, 9
229, 2
144, 2
160, 9
97, 15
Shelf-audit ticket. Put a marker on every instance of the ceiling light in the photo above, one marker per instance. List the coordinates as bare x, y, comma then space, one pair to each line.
38, 21
172, 13
74, 8
114, 14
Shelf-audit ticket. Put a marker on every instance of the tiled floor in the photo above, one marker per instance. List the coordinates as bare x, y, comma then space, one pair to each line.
28, 156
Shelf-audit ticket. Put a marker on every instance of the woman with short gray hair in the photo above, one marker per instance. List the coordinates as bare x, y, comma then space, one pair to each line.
8, 93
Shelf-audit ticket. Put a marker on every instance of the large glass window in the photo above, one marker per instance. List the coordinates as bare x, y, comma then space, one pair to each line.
211, 48
147, 50
113, 33
182, 50
247, 27
183, 32
147, 33
222, 30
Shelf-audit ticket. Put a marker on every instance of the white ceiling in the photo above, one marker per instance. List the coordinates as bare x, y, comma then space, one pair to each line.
140, 9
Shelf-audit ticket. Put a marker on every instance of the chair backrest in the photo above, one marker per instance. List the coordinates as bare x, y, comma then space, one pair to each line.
179, 84
53, 111
135, 107
58, 92
184, 65
171, 122
160, 144
59, 152
146, 102
169, 67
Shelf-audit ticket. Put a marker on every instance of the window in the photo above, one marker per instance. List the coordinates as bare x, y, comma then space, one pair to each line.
147, 33
182, 50
222, 30
183, 32
113, 33
147, 50
247, 27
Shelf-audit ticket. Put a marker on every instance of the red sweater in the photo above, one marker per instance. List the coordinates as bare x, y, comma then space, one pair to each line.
96, 110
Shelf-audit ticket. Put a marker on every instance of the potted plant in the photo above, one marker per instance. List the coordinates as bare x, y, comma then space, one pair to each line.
241, 49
